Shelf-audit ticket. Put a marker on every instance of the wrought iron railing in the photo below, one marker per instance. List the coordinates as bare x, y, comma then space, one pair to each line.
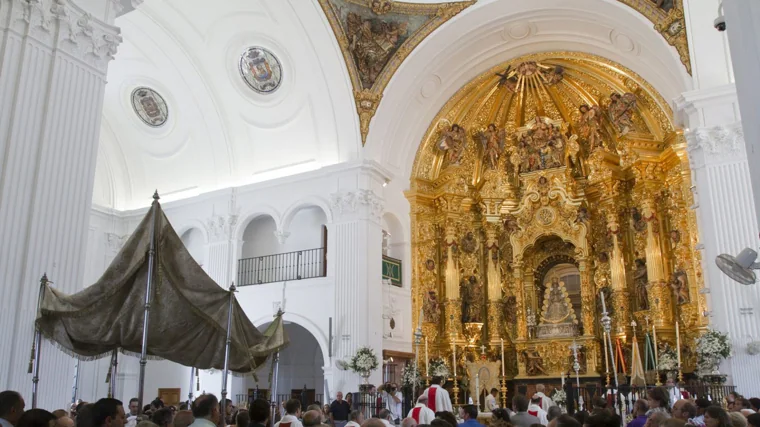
305, 264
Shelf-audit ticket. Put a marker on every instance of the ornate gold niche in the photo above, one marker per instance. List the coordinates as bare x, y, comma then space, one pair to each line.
553, 158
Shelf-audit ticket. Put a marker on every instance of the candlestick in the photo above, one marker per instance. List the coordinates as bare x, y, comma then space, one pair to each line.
678, 345
477, 388
503, 372
427, 360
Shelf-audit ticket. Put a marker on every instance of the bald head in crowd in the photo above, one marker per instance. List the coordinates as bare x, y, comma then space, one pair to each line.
64, 421
409, 422
312, 418
183, 418
422, 399
373, 422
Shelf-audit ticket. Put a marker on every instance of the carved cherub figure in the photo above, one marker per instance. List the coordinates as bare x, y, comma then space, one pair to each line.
453, 142
492, 140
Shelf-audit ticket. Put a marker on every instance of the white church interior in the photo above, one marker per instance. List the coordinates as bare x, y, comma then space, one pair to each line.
477, 184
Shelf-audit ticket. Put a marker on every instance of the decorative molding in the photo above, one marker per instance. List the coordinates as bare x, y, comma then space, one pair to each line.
115, 242
220, 228
385, 13
282, 236
716, 140
64, 26
352, 202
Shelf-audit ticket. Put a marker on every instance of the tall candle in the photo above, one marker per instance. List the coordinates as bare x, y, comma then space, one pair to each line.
454, 357
604, 306
678, 345
606, 366
427, 361
477, 388
419, 321
654, 338
562, 377
503, 372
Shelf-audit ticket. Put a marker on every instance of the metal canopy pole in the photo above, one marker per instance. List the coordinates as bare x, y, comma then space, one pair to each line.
36, 344
75, 387
222, 405
190, 393
114, 364
148, 290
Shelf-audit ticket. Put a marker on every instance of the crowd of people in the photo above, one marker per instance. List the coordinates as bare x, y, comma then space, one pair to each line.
433, 408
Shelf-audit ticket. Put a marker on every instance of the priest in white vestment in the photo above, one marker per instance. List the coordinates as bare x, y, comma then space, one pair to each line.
535, 409
546, 402
438, 397
421, 413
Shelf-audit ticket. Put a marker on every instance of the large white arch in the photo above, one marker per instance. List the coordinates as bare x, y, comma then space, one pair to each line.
494, 31
305, 323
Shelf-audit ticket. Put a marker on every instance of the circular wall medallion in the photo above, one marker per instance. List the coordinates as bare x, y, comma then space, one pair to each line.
149, 106
260, 69
545, 216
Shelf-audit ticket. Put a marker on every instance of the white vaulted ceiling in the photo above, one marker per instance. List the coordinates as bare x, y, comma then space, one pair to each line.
219, 132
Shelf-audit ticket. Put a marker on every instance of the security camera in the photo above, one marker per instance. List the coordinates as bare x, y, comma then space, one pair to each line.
720, 22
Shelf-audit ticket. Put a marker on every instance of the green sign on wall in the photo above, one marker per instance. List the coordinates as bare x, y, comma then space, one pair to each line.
392, 270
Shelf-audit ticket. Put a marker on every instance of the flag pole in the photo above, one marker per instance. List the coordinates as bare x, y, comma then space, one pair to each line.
222, 404
37, 343
148, 290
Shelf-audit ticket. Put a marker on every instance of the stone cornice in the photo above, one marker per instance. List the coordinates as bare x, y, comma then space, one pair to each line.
359, 203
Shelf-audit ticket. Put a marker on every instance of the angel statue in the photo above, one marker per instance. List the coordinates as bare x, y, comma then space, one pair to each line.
453, 143
590, 126
621, 111
492, 140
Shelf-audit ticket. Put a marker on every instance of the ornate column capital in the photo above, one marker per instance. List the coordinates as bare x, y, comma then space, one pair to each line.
64, 26
715, 144
115, 242
358, 204
220, 228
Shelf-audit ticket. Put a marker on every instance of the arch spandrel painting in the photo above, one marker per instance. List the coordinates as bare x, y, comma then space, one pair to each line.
539, 185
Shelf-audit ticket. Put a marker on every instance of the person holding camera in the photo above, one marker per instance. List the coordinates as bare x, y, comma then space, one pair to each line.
393, 398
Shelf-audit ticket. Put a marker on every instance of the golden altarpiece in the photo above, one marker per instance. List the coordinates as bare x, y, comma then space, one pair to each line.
539, 184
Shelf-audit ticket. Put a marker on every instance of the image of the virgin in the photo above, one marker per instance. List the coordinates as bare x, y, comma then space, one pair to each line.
557, 310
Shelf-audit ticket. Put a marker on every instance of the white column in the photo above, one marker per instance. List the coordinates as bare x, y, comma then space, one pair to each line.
726, 216
53, 62
355, 251
743, 28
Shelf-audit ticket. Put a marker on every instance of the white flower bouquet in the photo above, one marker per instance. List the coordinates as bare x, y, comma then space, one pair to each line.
559, 397
712, 347
668, 360
438, 368
410, 376
364, 361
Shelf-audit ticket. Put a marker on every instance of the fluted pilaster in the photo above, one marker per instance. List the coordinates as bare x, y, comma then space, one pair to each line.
53, 65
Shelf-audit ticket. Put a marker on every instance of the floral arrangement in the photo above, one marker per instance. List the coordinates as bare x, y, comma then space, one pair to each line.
364, 361
712, 347
410, 376
667, 360
753, 348
438, 368
559, 397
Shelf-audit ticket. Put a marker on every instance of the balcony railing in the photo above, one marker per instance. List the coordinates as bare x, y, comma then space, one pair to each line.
296, 265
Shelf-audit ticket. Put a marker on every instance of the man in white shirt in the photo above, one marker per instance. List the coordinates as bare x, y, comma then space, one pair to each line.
491, 400
355, 419
393, 398
206, 411
11, 408
421, 413
292, 414
437, 397
535, 409
546, 402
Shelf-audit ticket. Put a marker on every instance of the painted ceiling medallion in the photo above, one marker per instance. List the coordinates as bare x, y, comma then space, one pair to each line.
149, 106
376, 36
260, 69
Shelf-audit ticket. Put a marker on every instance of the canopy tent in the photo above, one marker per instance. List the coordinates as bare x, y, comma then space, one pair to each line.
188, 314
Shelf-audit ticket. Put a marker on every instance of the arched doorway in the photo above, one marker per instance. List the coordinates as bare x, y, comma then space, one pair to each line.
300, 369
